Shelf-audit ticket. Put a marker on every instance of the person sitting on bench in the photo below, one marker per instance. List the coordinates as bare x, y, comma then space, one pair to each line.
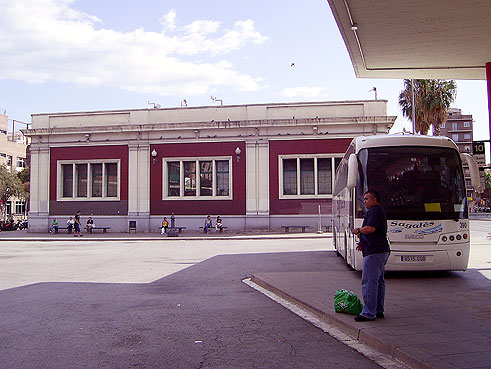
219, 224
54, 226
208, 224
165, 225
69, 225
89, 225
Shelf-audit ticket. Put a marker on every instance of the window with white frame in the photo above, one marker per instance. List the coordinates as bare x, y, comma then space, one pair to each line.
467, 124
442, 125
198, 179
455, 137
306, 175
89, 180
20, 207
455, 126
21, 162
467, 136
9, 160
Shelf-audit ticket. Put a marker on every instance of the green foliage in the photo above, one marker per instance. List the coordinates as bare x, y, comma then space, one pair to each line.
24, 175
432, 99
10, 185
487, 179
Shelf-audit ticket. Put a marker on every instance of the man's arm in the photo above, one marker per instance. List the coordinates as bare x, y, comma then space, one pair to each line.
364, 230
371, 223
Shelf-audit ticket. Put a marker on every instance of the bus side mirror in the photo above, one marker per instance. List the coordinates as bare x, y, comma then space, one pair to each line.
474, 171
352, 171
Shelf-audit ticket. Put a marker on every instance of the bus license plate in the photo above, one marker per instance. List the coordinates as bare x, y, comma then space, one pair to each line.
413, 258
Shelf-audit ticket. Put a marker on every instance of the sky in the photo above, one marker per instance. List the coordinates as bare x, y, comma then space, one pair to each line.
85, 55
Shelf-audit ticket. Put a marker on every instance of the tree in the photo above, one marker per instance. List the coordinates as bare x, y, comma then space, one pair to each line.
432, 99
25, 177
10, 186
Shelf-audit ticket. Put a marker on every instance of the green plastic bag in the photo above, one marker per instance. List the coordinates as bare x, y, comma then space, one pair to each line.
347, 302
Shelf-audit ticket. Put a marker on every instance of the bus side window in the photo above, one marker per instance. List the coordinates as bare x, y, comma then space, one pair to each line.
341, 177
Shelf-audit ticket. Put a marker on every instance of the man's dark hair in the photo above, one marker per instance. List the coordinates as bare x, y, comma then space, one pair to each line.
374, 194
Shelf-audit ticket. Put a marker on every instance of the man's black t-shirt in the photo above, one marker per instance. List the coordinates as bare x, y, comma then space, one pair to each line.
376, 242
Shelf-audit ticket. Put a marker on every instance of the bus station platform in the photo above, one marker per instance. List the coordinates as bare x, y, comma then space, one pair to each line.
432, 320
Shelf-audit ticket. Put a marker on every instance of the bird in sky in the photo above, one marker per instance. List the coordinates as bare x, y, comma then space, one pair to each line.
292, 64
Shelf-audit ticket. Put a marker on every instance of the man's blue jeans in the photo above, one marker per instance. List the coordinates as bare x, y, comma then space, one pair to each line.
373, 284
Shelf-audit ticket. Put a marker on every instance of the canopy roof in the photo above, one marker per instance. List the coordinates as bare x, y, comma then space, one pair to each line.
444, 39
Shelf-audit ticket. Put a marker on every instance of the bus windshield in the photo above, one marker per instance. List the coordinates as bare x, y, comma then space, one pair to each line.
414, 182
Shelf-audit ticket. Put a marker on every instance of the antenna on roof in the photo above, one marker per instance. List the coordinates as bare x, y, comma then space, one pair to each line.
155, 105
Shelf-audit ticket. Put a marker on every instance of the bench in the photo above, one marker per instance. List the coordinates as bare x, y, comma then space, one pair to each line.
220, 231
59, 228
287, 228
104, 229
179, 229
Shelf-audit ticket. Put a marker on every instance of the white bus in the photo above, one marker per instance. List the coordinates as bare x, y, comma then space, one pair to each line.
422, 189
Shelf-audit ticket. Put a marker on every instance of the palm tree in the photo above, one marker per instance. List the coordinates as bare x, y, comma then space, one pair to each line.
432, 100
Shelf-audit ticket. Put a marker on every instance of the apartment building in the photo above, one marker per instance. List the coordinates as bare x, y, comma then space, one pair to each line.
13, 146
458, 127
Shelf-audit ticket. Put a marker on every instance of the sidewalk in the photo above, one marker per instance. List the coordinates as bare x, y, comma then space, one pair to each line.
186, 235
433, 320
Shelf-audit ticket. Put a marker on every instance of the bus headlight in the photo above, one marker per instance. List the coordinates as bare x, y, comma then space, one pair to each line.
458, 253
458, 237
464, 236
444, 238
451, 238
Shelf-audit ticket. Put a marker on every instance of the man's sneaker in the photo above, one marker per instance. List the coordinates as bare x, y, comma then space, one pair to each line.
380, 315
361, 318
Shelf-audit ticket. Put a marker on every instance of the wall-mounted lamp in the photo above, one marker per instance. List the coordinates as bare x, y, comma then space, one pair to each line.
374, 89
237, 153
315, 128
87, 136
154, 156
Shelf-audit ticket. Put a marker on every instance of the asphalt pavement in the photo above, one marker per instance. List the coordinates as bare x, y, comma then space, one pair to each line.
205, 317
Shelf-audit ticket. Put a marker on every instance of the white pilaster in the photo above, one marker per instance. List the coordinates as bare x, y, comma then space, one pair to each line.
257, 184
139, 180
39, 195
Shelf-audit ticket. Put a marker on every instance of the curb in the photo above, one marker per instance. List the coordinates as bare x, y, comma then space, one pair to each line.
360, 334
167, 239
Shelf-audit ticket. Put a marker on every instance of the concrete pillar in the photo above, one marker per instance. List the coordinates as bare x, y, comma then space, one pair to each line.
488, 78
39, 195
257, 184
139, 185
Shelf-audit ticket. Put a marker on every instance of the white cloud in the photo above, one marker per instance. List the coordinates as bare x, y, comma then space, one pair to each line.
202, 27
47, 40
304, 92
169, 20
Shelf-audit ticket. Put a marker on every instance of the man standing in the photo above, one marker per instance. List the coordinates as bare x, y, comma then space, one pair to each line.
77, 225
375, 247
